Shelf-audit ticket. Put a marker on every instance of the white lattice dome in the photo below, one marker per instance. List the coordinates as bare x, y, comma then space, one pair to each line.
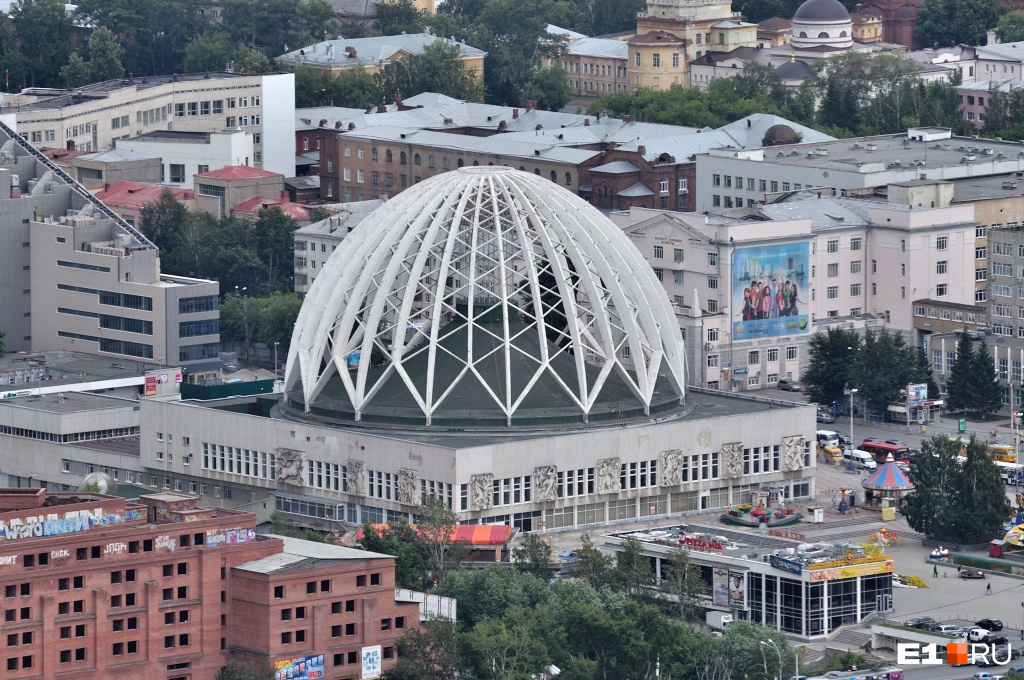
485, 297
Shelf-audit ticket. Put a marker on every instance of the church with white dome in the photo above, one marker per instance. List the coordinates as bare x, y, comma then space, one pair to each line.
822, 23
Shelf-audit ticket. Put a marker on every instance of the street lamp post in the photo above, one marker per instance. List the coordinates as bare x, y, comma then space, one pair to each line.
771, 643
853, 391
275, 359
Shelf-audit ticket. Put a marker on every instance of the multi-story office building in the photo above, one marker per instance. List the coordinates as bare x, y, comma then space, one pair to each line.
93, 116
78, 277
97, 587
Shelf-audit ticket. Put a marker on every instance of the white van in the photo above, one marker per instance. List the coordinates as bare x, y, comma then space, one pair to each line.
861, 459
828, 438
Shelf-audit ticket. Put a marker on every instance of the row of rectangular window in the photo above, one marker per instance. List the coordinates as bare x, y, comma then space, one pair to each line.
215, 106
258, 464
107, 297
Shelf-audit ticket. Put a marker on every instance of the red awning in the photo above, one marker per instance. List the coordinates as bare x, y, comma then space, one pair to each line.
474, 534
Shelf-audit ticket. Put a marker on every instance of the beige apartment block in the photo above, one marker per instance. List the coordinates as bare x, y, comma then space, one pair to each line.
91, 118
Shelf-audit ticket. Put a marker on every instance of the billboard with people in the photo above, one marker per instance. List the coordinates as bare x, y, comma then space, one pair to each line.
770, 293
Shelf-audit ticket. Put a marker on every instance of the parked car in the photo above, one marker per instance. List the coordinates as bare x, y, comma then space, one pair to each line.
948, 629
844, 440
985, 662
994, 639
789, 385
918, 621
825, 417
982, 676
972, 573
989, 624
976, 634
1017, 669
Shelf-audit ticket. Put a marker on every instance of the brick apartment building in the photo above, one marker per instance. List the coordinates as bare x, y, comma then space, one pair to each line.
98, 587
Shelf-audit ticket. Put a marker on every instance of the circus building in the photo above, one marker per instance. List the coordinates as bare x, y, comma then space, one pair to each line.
488, 338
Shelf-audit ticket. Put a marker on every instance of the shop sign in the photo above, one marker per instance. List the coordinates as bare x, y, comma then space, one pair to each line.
851, 571
786, 565
702, 544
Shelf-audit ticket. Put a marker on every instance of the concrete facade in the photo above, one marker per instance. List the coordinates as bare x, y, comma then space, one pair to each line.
94, 116
353, 474
184, 155
64, 250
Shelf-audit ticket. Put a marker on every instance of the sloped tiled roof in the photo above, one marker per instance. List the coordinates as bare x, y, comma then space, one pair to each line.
298, 211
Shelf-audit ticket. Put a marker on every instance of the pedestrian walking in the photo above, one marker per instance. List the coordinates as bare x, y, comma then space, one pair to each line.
935, 571
988, 589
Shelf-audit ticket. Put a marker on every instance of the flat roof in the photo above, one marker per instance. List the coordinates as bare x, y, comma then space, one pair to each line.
65, 98
61, 367
883, 152
971, 189
300, 554
68, 402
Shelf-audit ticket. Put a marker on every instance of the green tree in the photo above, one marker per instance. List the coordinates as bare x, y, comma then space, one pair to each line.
210, 51
959, 387
245, 670
549, 88
885, 366
266, 23
249, 61
353, 88
956, 502
956, 21
594, 565
239, 320
76, 72
741, 645
600, 17
683, 585
429, 651
996, 112
510, 647
1010, 28
633, 573
316, 17
276, 320
43, 32
398, 16
922, 372
439, 68
832, 363
488, 593
436, 527
533, 556
104, 56
161, 220
399, 540
986, 391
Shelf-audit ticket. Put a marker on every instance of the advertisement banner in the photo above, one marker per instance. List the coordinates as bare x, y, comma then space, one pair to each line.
770, 294
300, 668
917, 395
720, 586
851, 571
782, 563
737, 589
150, 385
371, 662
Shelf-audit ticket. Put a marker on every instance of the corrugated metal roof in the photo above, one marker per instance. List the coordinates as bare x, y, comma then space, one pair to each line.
558, 30
616, 168
824, 213
749, 132
636, 190
497, 145
1003, 86
116, 156
599, 47
369, 50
